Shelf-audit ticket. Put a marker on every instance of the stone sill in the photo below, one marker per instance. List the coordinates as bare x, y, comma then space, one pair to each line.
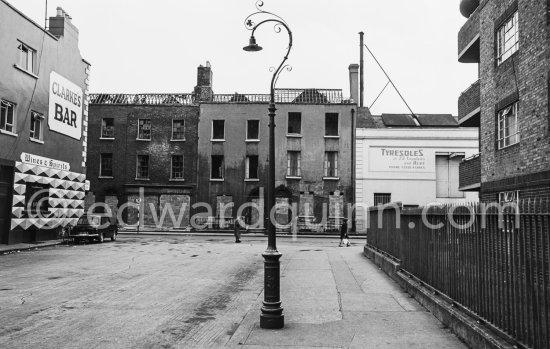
25, 71
8, 133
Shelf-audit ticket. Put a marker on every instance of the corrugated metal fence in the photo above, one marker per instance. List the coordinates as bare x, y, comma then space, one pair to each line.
491, 261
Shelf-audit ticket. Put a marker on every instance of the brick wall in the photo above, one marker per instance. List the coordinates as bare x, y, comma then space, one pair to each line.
470, 172
469, 100
524, 74
469, 30
530, 186
125, 148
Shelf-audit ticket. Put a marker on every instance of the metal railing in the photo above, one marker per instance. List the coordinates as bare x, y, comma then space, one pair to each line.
493, 265
287, 95
291, 96
143, 98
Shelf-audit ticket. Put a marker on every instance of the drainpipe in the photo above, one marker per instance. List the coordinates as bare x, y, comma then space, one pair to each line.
353, 174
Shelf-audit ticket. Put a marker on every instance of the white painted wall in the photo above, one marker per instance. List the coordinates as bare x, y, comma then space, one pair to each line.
410, 179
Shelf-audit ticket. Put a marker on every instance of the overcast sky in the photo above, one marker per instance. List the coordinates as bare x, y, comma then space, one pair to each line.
139, 46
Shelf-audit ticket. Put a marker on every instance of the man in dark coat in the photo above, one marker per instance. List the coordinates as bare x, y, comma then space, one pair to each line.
344, 233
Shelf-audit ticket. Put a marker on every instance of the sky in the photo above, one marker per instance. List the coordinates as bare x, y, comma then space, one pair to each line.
144, 46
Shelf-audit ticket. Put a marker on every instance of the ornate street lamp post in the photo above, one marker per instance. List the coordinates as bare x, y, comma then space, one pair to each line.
272, 313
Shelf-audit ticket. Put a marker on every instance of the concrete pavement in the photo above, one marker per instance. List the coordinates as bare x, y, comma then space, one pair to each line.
27, 246
336, 298
189, 291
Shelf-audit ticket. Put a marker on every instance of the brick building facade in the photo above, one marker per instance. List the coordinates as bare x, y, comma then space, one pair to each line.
43, 126
510, 41
124, 157
225, 153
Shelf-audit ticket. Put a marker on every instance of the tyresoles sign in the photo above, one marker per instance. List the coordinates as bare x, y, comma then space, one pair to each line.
65, 109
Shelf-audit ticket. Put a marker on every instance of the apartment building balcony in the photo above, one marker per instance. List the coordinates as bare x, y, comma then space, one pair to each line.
469, 103
469, 34
469, 173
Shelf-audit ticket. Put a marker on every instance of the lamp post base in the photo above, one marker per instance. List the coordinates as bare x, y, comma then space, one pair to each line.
272, 313
272, 322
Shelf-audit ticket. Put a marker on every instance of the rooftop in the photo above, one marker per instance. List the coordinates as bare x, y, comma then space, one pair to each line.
366, 120
291, 96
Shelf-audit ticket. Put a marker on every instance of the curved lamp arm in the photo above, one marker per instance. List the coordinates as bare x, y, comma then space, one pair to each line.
279, 22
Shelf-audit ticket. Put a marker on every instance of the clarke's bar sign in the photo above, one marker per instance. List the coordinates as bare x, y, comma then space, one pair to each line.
65, 114
44, 162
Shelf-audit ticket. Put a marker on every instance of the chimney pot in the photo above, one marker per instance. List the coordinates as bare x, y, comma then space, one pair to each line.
354, 81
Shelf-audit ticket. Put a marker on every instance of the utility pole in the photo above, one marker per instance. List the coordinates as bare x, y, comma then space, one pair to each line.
361, 70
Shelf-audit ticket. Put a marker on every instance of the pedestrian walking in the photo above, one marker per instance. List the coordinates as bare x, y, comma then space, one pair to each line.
344, 239
294, 226
239, 223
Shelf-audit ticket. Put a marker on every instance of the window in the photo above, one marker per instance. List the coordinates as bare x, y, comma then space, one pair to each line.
144, 129
252, 129
252, 167
218, 130
36, 197
507, 38
142, 167
331, 124
382, 198
508, 196
89, 220
26, 58
447, 176
293, 164
177, 167
331, 164
7, 117
218, 167
108, 128
106, 165
508, 130
36, 125
294, 123
178, 130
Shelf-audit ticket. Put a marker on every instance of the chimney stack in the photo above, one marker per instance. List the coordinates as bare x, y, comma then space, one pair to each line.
203, 90
61, 26
354, 82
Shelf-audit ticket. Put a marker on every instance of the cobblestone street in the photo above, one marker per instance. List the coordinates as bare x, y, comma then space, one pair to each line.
185, 291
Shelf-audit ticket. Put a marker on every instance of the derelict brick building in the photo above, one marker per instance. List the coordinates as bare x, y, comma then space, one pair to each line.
212, 148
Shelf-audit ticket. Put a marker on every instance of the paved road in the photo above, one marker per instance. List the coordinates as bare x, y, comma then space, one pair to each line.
185, 291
